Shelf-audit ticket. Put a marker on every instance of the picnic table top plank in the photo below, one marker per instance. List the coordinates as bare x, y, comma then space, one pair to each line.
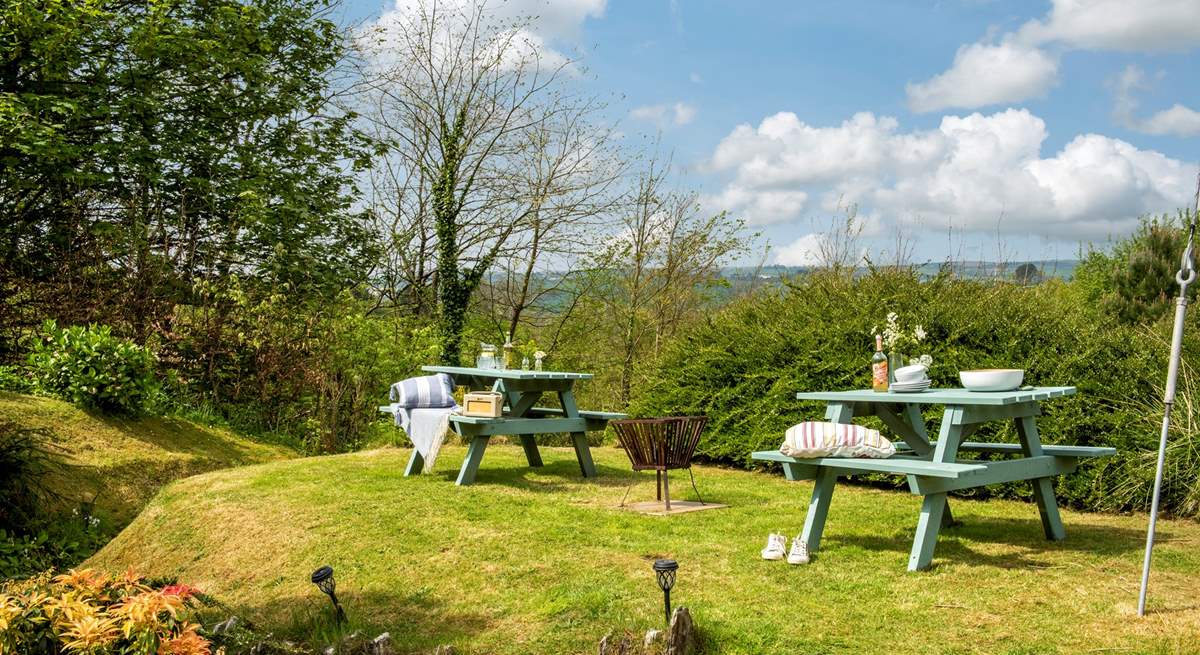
950, 396
507, 373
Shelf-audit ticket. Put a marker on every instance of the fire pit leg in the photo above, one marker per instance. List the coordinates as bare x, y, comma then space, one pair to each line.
667, 488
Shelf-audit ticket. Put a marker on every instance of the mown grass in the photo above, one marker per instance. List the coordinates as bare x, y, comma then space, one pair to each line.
540, 561
118, 464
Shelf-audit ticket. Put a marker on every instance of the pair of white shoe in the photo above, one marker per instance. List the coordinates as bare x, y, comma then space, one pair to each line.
777, 546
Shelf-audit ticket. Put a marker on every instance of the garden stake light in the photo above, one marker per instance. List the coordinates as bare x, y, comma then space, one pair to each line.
323, 578
664, 571
1185, 276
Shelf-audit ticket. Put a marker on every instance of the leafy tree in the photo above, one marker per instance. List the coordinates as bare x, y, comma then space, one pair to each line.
1027, 273
1135, 282
488, 154
150, 144
657, 275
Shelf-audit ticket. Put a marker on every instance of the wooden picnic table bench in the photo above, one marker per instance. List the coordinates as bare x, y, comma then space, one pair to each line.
521, 390
934, 468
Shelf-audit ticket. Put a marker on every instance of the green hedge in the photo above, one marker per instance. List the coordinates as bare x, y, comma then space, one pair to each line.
743, 366
92, 368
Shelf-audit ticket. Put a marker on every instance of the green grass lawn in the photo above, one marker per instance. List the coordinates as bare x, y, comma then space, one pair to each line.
540, 561
120, 463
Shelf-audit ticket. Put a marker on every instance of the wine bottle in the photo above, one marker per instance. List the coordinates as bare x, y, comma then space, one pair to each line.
879, 367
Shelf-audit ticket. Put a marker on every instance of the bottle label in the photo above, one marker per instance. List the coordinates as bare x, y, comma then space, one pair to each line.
879, 374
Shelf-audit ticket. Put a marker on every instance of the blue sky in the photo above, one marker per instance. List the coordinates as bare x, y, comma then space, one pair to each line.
974, 128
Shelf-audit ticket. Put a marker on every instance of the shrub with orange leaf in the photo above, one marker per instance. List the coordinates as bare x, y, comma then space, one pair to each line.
84, 611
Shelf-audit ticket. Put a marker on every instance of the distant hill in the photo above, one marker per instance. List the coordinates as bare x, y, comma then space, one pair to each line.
1062, 269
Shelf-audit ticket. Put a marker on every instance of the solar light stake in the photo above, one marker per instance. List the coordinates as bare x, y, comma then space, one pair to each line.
664, 571
323, 578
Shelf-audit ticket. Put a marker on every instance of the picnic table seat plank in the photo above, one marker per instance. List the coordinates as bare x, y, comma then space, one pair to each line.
587, 413
1015, 449
897, 464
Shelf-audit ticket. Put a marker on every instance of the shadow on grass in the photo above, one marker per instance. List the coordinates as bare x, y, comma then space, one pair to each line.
955, 544
179, 436
523, 476
416, 621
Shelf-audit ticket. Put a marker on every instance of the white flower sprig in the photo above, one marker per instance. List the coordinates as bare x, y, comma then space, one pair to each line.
895, 336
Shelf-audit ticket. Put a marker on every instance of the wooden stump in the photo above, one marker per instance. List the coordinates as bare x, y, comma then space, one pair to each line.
679, 639
681, 636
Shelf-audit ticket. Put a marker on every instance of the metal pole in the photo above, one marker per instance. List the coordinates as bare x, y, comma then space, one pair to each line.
1184, 277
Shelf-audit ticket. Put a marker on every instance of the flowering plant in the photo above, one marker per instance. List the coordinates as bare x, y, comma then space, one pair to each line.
895, 337
83, 611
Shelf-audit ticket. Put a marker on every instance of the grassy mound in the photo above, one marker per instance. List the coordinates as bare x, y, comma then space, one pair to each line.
540, 561
122, 462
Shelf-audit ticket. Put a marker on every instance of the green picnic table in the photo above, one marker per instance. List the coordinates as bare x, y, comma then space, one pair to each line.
934, 468
522, 417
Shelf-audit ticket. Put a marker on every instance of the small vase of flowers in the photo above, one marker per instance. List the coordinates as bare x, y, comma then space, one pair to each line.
897, 339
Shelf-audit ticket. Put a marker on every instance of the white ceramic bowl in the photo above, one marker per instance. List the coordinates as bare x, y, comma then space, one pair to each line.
913, 373
992, 379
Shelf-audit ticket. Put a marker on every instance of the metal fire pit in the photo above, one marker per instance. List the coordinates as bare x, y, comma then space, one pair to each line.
661, 444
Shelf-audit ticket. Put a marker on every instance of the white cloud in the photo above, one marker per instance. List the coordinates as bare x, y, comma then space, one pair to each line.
663, 115
984, 75
559, 20
977, 172
805, 251
551, 23
1177, 120
1118, 25
757, 206
1023, 64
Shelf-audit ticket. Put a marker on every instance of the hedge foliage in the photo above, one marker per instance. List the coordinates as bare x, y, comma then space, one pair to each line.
92, 368
743, 366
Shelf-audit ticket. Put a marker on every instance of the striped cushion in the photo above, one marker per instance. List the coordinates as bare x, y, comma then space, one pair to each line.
425, 391
818, 439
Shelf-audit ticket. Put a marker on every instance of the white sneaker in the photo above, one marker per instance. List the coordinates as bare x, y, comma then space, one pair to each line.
799, 552
776, 547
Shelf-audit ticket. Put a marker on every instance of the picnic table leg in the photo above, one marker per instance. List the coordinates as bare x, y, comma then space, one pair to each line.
928, 527
531, 450
466, 475
584, 454
916, 422
1043, 490
933, 508
416, 464
818, 508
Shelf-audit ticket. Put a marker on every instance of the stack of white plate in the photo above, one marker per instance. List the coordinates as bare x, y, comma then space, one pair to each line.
910, 387
910, 379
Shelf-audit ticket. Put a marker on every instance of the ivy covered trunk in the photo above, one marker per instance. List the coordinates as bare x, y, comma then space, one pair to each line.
454, 292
